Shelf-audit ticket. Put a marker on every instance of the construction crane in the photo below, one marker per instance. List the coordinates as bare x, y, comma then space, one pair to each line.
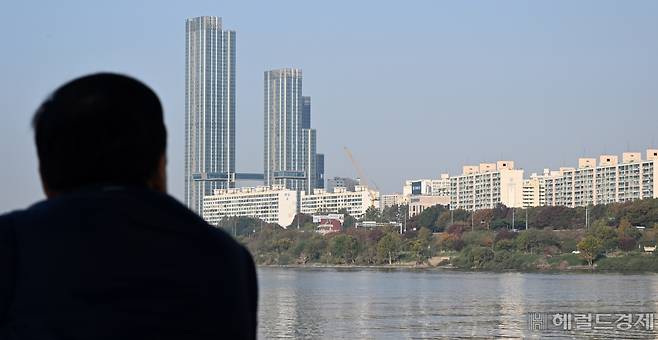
364, 180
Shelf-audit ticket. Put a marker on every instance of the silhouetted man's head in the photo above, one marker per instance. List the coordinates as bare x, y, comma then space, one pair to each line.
101, 129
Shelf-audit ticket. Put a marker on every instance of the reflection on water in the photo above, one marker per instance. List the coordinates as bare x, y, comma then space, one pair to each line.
364, 303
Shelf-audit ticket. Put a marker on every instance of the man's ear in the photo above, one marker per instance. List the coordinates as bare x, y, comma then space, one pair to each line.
158, 181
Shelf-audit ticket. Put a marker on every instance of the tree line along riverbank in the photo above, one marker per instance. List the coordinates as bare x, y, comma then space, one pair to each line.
558, 239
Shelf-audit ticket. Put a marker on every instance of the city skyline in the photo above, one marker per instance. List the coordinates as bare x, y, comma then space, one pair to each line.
464, 84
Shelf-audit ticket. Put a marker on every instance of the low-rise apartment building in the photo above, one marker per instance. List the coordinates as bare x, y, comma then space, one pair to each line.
427, 187
390, 200
274, 204
419, 203
354, 202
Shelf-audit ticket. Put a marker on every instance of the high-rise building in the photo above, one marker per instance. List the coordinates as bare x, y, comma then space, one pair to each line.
306, 112
319, 163
309, 146
209, 108
487, 186
534, 189
289, 147
610, 181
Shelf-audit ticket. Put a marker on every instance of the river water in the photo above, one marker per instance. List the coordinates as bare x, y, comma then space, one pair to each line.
402, 304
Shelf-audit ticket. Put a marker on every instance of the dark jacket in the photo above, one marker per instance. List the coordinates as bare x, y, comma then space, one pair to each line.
122, 263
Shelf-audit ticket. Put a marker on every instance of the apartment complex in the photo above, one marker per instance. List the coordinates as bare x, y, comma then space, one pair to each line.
609, 181
428, 187
421, 194
278, 204
419, 203
487, 185
209, 108
274, 204
355, 202
390, 200
534, 189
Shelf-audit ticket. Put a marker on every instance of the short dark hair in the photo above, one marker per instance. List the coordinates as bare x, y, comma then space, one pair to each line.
99, 129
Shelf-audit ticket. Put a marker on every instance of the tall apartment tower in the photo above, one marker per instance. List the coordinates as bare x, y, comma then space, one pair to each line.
289, 143
209, 108
319, 166
306, 112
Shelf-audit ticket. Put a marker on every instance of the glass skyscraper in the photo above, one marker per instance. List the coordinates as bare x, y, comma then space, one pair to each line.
319, 171
289, 142
209, 108
306, 112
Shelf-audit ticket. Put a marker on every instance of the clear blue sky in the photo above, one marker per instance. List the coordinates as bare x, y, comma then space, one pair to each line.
414, 88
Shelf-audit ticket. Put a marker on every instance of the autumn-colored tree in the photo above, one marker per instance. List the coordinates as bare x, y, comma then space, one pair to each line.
624, 227
627, 243
455, 229
589, 248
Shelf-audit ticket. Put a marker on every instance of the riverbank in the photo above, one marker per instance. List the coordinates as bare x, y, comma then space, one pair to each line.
631, 264
600, 248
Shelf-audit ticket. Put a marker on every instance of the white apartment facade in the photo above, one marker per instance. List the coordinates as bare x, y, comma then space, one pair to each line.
419, 203
487, 185
354, 202
274, 204
610, 181
427, 187
390, 200
534, 189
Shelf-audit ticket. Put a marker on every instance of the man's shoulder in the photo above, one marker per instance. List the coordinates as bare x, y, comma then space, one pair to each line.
8, 219
138, 206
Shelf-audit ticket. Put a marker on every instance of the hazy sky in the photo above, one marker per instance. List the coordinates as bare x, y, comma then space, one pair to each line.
414, 88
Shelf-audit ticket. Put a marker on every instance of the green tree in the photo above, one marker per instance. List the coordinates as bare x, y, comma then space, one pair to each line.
314, 247
419, 249
388, 247
349, 220
428, 217
590, 247
344, 247
425, 235
481, 255
443, 220
526, 241
504, 244
372, 214
390, 213
607, 235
